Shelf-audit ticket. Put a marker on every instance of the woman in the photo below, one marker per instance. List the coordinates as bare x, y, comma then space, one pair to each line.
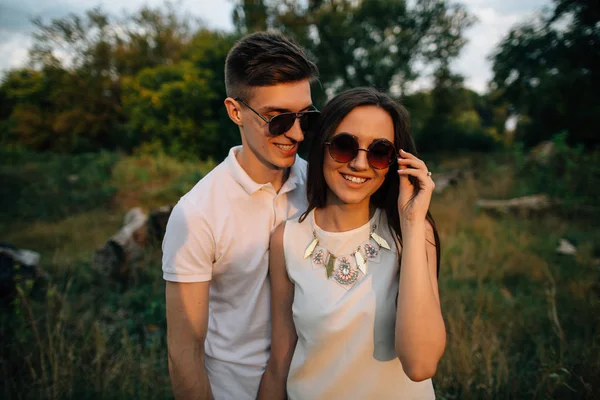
354, 317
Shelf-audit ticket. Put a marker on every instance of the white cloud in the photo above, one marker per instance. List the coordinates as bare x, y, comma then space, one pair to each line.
495, 19
483, 37
14, 48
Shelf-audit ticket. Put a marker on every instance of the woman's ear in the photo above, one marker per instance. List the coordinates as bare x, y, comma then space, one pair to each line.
234, 111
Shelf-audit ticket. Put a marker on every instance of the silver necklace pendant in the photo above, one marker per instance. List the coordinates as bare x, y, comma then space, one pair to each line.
371, 251
345, 274
318, 257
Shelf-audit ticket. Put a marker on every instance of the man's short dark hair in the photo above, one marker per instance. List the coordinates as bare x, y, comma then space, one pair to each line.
265, 59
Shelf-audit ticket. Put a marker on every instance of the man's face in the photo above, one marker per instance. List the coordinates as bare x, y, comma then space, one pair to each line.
280, 151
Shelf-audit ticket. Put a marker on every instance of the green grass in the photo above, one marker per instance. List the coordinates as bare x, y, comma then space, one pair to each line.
522, 321
50, 187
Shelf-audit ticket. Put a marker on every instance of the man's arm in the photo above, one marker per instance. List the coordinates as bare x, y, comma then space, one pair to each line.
188, 256
283, 331
187, 322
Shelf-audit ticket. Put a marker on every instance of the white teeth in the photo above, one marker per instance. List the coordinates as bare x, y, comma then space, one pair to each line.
354, 179
285, 147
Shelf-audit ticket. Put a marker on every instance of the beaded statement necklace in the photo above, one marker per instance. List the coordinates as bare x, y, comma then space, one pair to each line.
345, 274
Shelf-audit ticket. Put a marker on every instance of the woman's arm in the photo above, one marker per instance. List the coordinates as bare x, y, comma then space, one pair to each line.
420, 337
283, 331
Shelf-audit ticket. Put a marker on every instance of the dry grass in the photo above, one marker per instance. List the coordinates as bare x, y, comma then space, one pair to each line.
509, 302
154, 180
522, 321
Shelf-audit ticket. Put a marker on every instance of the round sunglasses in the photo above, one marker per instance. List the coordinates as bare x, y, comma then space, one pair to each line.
281, 123
344, 148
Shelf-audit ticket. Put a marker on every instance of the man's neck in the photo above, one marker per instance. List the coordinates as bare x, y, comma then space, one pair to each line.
260, 171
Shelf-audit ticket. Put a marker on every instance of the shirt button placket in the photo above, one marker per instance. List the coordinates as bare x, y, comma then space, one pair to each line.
275, 210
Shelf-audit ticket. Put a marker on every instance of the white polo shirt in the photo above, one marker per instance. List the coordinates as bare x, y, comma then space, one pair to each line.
219, 231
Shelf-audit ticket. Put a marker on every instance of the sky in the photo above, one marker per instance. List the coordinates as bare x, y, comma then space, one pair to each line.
495, 18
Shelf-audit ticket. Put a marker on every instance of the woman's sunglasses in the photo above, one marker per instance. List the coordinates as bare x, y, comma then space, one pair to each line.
281, 123
344, 148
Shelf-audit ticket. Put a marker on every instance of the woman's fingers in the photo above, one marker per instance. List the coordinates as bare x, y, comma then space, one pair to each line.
424, 178
418, 169
412, 162
407, 155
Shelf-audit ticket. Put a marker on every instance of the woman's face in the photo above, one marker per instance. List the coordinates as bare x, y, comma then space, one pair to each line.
355, 181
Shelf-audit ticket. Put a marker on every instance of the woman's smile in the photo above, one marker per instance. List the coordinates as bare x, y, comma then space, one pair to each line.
354, 179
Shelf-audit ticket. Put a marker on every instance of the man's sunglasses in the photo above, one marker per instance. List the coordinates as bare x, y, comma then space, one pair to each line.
281, 123
344, 148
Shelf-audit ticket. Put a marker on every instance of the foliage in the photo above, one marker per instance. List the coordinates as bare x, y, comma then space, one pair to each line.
170, 104
96, 81
549, 71
515, 312
207, 51
87, 86
153, 178
364, 43
383, 43
156, 76
85, 338
51, 186
455, 119
75, 334
567, 174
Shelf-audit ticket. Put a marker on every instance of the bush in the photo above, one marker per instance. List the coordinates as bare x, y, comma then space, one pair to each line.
51, 186
446, 135
566, 173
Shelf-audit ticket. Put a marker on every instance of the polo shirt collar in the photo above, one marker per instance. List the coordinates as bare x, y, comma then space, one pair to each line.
296, 177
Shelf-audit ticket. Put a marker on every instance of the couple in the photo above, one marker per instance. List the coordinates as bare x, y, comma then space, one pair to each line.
313, 281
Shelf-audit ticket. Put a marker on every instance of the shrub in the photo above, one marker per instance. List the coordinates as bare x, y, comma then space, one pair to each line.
51, 186
566, 173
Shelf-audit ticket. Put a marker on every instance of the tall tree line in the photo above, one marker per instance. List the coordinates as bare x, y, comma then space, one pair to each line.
155, 77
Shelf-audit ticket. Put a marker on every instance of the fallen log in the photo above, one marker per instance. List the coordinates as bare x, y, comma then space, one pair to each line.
17, 264
116, 258
157, 223
565, 247
537, 203
126, 245
444, 180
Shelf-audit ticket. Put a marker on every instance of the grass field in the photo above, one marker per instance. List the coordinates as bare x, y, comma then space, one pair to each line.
523, 322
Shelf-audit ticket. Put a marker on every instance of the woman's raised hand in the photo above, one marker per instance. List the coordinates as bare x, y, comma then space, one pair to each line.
413, 209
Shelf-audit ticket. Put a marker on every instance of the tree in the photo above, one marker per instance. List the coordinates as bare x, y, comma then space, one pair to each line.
77, 67
549, 71
370, 42
208, 50
250, 16
171, 104
28, 120
75, 55
453, 118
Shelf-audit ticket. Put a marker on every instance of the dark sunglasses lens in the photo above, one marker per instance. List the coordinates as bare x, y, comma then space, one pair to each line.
282, 123
308, 121
381, 154
343, 148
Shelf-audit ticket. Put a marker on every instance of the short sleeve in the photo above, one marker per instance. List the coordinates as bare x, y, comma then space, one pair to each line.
188, 246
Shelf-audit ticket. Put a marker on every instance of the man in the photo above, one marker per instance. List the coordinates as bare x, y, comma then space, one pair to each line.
215, 250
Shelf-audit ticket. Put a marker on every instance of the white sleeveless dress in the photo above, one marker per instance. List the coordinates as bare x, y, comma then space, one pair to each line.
345, 346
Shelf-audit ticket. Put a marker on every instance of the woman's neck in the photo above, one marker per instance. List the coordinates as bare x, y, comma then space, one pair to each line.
343, 217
